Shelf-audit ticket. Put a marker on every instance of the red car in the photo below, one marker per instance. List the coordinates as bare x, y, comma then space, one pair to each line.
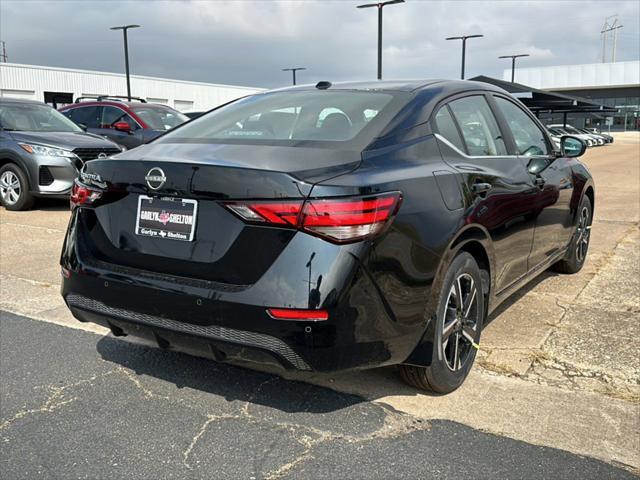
128, 123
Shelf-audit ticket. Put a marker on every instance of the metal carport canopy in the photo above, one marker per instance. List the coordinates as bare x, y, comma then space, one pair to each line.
542, 101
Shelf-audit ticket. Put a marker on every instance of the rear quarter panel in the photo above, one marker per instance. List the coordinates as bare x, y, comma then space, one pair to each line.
403, 263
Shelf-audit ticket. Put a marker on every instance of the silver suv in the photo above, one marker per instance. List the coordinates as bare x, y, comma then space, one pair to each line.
41, 152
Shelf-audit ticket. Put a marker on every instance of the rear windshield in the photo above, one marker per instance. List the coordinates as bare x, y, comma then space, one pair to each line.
293, 117
34, 118
159, 117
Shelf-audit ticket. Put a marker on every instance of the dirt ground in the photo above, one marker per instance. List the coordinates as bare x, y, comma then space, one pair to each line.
558, 365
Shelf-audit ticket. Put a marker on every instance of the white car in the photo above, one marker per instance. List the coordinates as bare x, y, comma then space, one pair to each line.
561, 131
574, 131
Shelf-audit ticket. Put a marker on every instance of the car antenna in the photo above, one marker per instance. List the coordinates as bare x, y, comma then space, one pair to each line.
323, 85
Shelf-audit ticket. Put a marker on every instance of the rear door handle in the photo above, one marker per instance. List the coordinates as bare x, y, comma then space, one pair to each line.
480, 188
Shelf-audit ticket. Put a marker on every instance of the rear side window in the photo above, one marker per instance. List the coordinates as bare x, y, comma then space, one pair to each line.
478, 125
446, 126
89, 116
530, 140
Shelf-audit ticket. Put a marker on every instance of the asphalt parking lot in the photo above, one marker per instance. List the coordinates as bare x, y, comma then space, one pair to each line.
555, 393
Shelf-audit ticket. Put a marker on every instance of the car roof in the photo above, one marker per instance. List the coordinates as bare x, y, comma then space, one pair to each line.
398, 85
22, 101
116, 103
90, 103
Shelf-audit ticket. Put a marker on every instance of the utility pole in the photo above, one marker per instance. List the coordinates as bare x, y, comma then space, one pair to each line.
615, 42
3, 54
607, 27
464, 48
293, 70
124, 29
603, 32
513, 63
380, 6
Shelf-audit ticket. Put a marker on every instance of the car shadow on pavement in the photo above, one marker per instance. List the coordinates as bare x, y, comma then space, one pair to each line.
515, 297
283, 390
196, 375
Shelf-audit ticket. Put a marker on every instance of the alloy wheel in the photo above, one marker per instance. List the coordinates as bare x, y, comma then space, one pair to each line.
582, 235
10, 187
460, 322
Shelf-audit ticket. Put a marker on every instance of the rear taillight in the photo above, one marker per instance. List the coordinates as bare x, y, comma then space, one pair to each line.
278, 213
339, 220
345, 220
82, 195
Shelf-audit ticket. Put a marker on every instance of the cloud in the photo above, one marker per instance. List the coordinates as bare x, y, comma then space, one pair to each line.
248, 42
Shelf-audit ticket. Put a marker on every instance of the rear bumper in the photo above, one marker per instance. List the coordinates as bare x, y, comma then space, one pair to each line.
228, 323
214, 339
182, 323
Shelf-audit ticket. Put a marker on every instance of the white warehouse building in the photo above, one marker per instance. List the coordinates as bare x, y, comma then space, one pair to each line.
60, 86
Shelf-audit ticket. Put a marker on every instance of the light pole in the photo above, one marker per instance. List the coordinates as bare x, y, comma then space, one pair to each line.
124, 29
293, 70
380, 6
464, 47
513, 63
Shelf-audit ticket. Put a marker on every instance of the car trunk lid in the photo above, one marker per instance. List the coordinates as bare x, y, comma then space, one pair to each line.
223, 249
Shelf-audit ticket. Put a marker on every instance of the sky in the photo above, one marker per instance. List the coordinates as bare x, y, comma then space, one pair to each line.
248, 42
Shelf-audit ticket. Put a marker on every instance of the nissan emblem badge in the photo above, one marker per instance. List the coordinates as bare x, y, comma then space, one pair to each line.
155, 178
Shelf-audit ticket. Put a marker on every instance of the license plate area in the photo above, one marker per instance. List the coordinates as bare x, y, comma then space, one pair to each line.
166, 218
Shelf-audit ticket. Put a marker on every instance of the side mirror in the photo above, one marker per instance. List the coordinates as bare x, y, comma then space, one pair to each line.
122, 127
572, 146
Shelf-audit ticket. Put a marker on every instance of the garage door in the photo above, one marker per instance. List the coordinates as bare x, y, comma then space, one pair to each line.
163, 101
183, 105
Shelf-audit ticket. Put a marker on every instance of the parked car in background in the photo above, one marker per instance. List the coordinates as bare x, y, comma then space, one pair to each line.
561, 131
557, 140
330, 227
604, 136
127, 123
41, 152
571, 130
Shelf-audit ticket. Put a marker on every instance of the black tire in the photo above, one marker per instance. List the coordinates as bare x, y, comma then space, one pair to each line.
444, 375
14, 196
579, 245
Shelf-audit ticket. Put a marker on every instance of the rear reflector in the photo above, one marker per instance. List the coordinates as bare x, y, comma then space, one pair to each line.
340, 220
293, 314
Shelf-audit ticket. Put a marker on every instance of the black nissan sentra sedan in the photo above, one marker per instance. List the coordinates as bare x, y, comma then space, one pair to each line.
330, 227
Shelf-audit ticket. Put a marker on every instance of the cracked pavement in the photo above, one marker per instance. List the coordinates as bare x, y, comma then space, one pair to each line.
79, 405
555, 392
